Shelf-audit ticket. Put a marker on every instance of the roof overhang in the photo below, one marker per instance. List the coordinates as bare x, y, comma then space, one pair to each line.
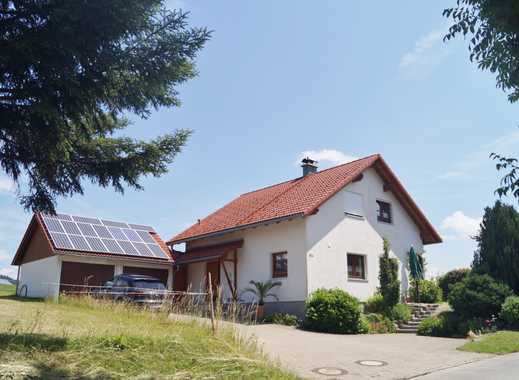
238, 228
113, 257
208, 252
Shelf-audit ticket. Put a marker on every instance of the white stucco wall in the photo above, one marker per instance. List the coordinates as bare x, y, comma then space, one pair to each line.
255, 259
331, 235
40, 276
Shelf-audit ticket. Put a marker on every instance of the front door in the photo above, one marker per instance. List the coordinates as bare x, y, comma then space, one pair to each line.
213, 267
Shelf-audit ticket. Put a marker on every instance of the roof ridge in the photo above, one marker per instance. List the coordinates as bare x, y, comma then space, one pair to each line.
301, 177
298, 181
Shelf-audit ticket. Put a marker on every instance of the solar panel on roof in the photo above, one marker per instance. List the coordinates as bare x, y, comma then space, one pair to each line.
63, 217
112, 246
96, 244
102, 231
141, 227
61, 241
117, 233
128, 248
143, 249
95, 235
70, 227
114, 224
132, 235
86, 220
53, 224
157, 251
79, 242
146, 237
87, 229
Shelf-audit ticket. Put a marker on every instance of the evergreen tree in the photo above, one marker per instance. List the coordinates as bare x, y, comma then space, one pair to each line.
70, 71
388, 278
498, 245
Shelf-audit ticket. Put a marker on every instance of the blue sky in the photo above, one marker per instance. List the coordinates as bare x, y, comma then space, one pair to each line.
344, 79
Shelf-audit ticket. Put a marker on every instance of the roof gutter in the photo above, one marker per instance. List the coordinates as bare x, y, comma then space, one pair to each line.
238, 228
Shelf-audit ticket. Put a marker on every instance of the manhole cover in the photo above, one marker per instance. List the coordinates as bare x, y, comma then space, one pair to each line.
330, 371
371, 363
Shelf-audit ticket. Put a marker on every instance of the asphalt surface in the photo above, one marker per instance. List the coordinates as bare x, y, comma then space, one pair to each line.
329, 356
504, 367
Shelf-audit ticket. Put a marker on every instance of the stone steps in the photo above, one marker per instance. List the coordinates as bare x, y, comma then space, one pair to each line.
419, 313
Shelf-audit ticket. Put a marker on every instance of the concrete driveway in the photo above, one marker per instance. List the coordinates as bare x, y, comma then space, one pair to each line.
403, 356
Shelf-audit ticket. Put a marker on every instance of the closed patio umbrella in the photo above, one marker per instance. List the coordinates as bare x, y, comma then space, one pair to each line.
416, 267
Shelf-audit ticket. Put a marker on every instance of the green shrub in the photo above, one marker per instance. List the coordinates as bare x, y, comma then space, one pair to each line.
388, 278
281, 319
374, 304
333, 311
446, 324
450, 278
478, 296
430, 292
510, 312
399, 313
379, 324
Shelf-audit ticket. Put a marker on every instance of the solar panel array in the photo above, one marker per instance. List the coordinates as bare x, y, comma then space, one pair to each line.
105, 236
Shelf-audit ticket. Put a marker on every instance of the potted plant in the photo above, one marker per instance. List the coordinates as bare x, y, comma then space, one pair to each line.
262, 290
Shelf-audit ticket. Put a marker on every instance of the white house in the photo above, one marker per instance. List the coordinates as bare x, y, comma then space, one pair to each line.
322, 230
66, 253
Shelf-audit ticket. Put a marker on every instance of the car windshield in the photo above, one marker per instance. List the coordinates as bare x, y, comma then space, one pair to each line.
149, 285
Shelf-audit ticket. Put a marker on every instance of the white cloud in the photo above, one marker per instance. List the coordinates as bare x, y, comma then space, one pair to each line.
460, 226
471, 165
9, 271
3, 255
6, 185
426, 54
336, 157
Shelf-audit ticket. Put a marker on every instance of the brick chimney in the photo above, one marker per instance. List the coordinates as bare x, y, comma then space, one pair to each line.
309, 166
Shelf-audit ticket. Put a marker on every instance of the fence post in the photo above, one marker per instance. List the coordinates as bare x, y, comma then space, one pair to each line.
211, 306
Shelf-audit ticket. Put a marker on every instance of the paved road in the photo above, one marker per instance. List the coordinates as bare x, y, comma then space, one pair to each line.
497, 368
404, 355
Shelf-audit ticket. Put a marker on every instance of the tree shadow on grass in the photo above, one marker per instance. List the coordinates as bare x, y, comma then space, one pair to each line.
22, 342
52, 372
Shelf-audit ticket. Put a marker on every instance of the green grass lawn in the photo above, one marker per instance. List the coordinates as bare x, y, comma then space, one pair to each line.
7, 290
502, 342
94, 340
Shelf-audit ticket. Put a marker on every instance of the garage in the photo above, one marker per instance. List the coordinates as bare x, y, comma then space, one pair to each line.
65, 252
161, 274
77, 273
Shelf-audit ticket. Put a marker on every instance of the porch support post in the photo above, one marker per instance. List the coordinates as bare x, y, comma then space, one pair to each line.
227, 277
236, 273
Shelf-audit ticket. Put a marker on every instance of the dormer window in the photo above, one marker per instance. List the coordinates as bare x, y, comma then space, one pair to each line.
384, 212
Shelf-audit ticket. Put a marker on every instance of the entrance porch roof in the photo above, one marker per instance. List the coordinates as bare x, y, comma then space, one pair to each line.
208, 252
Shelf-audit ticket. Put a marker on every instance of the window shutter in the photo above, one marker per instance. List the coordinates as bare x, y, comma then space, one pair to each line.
353, 204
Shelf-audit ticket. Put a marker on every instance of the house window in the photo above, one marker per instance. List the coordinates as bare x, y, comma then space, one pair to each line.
384, 212
353, 204
356, 266
279, 264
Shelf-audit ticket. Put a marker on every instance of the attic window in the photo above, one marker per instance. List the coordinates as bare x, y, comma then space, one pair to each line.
384, 212
353, 204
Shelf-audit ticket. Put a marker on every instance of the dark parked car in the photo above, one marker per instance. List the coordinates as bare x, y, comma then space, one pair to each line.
140, 289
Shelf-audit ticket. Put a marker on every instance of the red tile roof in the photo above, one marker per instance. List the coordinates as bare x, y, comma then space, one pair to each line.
301, 197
